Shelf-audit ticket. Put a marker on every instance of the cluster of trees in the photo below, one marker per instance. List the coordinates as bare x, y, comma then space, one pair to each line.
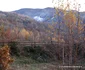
71, 30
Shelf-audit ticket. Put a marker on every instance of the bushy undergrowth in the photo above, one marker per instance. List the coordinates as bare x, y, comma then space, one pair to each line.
46, 53
14, 48
37, 53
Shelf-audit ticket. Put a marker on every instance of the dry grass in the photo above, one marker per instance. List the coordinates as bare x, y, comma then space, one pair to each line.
30, 64
22, 63
40, 66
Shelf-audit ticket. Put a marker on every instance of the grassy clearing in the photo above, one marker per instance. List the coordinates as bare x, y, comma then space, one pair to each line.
24, 60
24, 63
41, 66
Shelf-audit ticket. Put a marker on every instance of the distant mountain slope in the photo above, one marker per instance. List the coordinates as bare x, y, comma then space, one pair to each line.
43, 15
11, 18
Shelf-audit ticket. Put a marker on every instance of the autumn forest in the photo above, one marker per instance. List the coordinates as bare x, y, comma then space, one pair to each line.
57, 41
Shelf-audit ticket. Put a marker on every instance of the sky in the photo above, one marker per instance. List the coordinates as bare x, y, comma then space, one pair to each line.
11, 5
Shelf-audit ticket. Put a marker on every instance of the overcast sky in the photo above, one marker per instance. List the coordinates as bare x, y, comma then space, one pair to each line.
10, 5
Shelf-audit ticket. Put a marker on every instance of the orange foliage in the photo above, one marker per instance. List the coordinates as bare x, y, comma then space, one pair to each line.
70, 18
5, 58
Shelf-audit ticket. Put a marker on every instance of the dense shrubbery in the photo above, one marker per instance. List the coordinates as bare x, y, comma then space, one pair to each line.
47, 52
37, 53
14, 48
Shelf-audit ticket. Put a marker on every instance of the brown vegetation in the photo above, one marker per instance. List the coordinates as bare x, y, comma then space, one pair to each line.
5, 58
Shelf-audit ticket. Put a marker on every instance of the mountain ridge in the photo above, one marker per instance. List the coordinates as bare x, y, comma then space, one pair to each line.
46, 13
43, 15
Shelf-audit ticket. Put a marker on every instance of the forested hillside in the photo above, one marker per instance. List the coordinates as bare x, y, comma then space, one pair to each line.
23, 27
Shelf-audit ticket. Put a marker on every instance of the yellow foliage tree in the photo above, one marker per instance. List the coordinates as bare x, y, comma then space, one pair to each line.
24, 33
